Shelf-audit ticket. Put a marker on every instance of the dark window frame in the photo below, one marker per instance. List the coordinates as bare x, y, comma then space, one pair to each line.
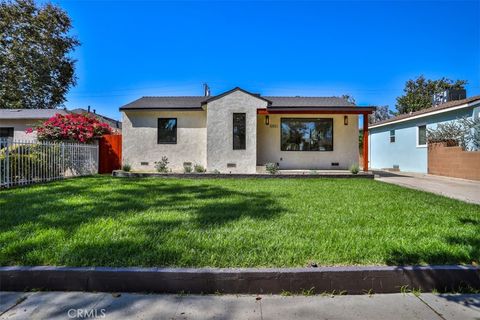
174, 130
392, 136
244, 145
9, 129
306, 119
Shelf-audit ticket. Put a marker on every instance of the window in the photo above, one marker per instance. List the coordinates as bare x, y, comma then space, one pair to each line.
6, 133
422, 135
304, 134
392, 136
167, 131
239, 129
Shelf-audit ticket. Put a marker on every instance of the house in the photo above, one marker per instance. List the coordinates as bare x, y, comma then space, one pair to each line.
401, 142
236, 131
115, 125
14, 122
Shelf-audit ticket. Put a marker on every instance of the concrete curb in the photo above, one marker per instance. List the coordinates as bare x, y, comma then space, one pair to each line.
123, 174
352, 280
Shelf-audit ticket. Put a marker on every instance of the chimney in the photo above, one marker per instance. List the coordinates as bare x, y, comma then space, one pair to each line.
88, 109
94, 111
206, 90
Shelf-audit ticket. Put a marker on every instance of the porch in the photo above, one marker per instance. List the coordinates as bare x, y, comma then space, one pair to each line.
308, 140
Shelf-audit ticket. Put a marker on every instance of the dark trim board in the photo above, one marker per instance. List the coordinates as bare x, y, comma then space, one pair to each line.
351, 280
124, 174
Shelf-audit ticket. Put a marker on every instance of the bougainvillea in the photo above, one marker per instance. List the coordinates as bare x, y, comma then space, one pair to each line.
71, 127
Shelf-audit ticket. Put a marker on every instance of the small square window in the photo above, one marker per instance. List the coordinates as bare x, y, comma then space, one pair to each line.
392, 136
6, 133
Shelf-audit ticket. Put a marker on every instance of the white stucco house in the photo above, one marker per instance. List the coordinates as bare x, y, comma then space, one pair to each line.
14, 122
238, 131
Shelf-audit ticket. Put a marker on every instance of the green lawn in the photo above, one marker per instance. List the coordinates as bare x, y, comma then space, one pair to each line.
104, 221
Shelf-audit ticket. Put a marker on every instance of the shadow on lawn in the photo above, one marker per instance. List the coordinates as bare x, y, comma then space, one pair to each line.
469, 254
66, 206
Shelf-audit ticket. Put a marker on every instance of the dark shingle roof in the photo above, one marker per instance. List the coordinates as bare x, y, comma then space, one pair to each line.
29, 113
172, 103
308, 102
442, 106
195, 102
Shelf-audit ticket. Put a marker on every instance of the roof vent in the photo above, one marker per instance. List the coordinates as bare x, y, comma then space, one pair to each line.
449, 95
206, 90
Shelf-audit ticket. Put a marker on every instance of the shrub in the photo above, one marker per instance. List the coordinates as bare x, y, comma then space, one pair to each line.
271, 167
216, 171
199, 168
354, 168
126, 167
187, 167
162, 165
82, 128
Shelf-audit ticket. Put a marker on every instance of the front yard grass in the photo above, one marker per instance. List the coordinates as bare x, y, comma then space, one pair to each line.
105, 221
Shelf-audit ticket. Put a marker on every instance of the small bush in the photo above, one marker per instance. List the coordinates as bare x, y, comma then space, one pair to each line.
216, 171
354, 168
162, 165
126, 167
187, 167
199, 168
271, 167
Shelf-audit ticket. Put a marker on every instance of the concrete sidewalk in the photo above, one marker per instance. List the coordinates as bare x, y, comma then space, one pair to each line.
79, 305
461, 189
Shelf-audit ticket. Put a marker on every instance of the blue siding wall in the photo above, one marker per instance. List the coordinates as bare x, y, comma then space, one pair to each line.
404, 151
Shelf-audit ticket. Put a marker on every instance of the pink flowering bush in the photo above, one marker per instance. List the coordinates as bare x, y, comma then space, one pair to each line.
71, 127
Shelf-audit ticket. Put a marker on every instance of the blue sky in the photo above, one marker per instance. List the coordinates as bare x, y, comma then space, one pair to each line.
365, 49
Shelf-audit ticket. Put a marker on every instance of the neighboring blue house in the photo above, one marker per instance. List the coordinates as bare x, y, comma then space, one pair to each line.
402, 141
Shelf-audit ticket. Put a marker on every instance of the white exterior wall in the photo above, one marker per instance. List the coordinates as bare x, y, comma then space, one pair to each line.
19, 127
345, 144
220, 133
139, 140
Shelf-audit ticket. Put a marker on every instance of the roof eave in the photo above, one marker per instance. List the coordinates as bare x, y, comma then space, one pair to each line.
161, 109
421, 115
213, 98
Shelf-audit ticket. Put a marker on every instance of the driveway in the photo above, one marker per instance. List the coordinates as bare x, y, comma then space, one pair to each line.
83, 305
465, 190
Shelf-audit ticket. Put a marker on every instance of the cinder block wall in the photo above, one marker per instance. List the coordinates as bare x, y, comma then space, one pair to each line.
453, 162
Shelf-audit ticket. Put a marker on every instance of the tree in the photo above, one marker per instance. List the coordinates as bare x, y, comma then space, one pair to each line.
36, 70
418, 93
349, 98
380, 114
463, 132
76, 127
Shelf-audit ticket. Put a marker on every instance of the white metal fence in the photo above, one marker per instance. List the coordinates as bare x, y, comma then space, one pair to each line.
26, 162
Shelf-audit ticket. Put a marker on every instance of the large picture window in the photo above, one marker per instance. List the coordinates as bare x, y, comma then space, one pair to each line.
303, 134
239, 130
167, 131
